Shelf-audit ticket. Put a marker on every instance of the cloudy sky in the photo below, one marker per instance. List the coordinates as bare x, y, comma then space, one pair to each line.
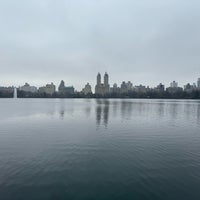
144, 41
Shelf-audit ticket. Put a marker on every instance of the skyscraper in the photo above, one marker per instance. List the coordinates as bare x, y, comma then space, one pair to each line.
102, 88
106, 79
99, 79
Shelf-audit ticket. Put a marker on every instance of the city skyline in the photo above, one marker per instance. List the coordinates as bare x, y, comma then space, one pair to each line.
145, 42
92, 81
101, 87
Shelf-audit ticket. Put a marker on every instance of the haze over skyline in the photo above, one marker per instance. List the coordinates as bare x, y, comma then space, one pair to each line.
146, 42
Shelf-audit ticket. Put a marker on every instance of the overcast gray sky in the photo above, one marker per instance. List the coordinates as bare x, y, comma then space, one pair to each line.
144, 41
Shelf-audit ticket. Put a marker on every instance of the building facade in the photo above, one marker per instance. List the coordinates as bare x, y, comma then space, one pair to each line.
160, 88
87, 89
115, 89
62, 89
198, 83
48, 89
28, 88
124, 87
141, 89
102, 88
174, 84
188, 88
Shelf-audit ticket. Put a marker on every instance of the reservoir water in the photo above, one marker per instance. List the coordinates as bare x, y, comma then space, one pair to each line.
99, 149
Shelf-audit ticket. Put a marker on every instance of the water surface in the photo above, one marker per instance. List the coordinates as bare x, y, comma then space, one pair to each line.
99, 149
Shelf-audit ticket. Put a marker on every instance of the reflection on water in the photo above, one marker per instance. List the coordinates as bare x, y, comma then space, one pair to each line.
128, 109
102, 112
105, 109
198, 113
62, 109
53, 149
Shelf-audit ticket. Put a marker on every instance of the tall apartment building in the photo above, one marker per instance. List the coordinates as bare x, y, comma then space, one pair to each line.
102, 88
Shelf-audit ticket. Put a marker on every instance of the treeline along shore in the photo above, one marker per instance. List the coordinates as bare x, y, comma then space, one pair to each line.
146, 95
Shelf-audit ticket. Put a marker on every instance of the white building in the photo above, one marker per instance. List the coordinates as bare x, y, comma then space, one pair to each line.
48, 89
87, 89
28, 88
115, 88
174, 84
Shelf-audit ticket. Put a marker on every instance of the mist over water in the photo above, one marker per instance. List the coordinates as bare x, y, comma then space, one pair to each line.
99, 149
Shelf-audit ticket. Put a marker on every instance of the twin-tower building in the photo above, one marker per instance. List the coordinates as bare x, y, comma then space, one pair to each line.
102, 88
